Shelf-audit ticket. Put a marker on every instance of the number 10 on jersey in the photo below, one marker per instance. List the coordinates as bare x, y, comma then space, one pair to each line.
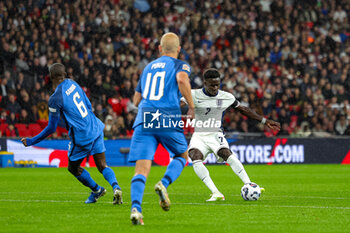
153, 86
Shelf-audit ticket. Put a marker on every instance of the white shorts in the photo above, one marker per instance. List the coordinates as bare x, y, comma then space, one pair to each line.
209, 143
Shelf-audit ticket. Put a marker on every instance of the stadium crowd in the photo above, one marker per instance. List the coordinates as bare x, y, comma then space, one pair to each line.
287, 59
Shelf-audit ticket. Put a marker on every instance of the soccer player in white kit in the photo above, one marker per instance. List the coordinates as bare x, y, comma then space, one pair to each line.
210, 104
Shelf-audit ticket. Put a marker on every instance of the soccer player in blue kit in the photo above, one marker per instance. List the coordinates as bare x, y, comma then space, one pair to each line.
85, 131
160, 86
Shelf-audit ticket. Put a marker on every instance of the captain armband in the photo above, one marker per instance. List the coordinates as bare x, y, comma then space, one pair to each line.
236, 104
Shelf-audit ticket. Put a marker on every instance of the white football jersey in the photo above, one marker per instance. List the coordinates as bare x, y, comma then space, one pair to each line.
210, 109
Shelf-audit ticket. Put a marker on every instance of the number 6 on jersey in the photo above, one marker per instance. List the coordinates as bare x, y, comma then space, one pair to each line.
80, 105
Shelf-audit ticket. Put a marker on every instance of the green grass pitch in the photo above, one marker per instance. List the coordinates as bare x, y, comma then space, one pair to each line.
298, 198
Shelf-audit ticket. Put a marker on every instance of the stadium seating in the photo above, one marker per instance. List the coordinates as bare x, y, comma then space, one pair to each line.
34, 129
24, 132
61, 132
21, 126
42, 123
3, 127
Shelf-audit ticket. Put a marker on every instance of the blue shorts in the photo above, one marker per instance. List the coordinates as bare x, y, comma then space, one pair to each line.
144, 144
76, 152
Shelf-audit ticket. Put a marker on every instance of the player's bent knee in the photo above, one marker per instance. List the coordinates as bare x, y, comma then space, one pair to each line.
100, 161
101, 165
183, 155
75, 171
101, 168
195, 154
224, 153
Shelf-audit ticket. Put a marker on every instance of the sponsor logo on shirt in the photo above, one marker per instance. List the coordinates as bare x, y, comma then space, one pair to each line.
186, 67
52, 109
219, 102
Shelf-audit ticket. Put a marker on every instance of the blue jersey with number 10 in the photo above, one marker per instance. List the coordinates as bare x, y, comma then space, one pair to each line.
70, 102
158, 85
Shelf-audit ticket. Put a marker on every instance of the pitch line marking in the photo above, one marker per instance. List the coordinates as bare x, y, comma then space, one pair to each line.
191, 203
186, 194
281, 206
238, 195
311, 197
44, 192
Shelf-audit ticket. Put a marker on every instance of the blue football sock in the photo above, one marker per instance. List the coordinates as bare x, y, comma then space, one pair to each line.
86, 180
137, 188
109, 175
173, 171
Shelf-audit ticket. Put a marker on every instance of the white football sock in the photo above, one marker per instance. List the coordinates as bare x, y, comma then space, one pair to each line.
238, 168
203, 173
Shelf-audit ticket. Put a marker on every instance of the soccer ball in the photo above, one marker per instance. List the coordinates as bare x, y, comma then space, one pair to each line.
250, 192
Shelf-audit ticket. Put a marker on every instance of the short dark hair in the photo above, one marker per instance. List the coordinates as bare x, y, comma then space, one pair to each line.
211, 73
56, 70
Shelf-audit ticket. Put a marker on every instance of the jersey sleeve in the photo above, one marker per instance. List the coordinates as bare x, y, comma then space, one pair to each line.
236, 104
233, 102
138, 87
56, 104
183, 67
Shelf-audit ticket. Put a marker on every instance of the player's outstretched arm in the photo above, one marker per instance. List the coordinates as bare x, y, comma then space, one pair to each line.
185, 88
49, 129
252, 114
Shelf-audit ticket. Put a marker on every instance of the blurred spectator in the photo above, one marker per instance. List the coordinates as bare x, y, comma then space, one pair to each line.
243, 127
11, 131
3, 116
232, 127
129, 122
27, 105
21, 64
11, 119
121, 126
100, 112
43, 113
126, 90
12, 106
303, 130
284, 130
341, 125
24, 117
108, 127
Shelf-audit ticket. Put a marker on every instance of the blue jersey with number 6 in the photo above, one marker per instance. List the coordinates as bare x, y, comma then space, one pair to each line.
158, 85
70, 102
